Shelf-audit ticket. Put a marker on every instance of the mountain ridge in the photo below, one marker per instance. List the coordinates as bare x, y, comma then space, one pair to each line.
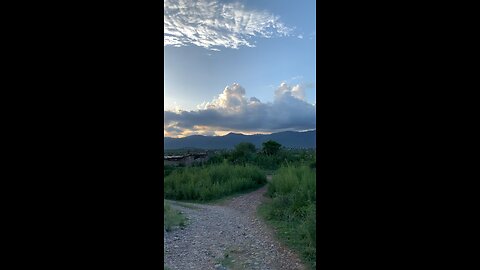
290, 139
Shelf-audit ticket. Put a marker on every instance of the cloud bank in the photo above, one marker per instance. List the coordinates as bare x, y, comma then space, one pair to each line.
211, 24
232, 110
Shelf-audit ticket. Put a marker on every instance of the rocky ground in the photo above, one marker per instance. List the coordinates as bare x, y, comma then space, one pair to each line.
227, 235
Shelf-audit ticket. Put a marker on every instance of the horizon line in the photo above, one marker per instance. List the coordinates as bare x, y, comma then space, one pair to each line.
307, 130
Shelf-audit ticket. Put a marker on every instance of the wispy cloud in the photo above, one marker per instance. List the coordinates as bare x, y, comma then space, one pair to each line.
232, 110
211, 24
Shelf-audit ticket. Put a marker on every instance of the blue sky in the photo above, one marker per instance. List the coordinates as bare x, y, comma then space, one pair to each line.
239, 66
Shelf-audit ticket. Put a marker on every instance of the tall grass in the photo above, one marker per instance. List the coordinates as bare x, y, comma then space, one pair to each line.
292, 209
211, 182
168, 169
171, 218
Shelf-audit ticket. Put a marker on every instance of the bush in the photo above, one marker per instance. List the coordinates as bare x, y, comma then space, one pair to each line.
215, 159
244, 153
211, 182
271, 147
292, 209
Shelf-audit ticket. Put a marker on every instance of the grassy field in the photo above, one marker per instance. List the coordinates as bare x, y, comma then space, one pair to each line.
292, 209
211, 182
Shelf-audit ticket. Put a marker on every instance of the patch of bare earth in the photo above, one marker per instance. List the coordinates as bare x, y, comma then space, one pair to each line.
228, 235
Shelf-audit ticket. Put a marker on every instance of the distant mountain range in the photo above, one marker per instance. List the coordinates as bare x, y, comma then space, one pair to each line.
290, 139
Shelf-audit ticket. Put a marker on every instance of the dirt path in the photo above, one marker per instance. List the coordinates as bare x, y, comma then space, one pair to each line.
228, 235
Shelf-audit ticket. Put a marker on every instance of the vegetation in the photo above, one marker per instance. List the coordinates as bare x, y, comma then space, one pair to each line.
292, 209
271, 157
243, 153
211, 182
216, 159
168, 169
271, 147
292, 191
171, 218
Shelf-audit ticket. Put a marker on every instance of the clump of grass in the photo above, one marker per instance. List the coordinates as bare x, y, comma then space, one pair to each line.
292, 209
211, 182
171, 217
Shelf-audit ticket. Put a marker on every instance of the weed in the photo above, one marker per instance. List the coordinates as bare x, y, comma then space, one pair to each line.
292, 209
211, 182
171, 217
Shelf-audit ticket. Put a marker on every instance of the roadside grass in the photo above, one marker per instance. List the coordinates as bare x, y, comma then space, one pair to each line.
171, 217
209, 183
183, 204
292, 210
219, 201
226, 198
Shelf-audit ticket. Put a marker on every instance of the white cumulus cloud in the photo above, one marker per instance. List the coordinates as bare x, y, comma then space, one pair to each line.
233, 110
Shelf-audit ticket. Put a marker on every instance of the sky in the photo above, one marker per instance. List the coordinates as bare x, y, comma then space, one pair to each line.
239, 66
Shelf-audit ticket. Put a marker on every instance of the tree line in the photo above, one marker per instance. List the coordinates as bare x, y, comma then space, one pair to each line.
270, 156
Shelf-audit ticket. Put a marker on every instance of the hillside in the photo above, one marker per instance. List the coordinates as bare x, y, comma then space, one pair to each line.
290, 139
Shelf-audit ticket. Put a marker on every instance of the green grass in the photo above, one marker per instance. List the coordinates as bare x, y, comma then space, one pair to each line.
168, 169
292, 209
171, 217
227, 198
211, 182
186, 205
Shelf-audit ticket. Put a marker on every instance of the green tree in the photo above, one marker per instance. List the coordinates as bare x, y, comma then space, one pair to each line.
271, 147
244, 152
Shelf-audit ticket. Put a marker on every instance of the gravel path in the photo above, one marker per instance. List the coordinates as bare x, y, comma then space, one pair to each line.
228, 235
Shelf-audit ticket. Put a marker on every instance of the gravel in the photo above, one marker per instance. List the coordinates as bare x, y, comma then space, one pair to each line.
228, 235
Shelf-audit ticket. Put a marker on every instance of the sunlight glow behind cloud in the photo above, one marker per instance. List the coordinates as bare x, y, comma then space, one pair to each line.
233, 111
